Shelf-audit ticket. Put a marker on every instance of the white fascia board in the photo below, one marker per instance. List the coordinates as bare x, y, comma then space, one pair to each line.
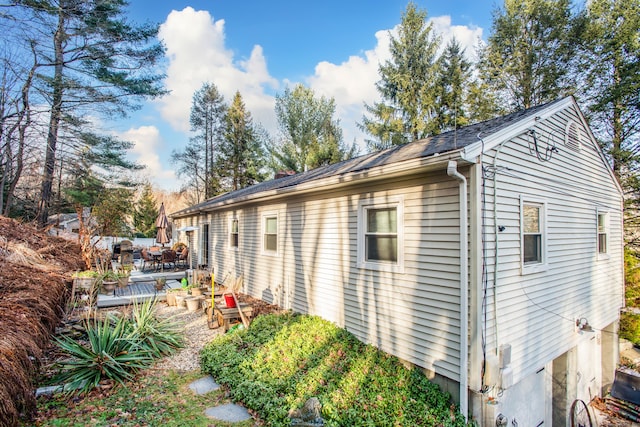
484, 144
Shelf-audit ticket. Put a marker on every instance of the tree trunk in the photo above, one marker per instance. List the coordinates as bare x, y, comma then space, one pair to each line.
24, 123
616, 124
84, 238
54, 122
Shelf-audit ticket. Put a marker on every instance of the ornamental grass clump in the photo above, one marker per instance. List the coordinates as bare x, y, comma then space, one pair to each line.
160, 336
116, 348
108, 354
283, 360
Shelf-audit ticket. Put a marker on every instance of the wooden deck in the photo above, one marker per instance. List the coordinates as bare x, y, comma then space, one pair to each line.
141, 287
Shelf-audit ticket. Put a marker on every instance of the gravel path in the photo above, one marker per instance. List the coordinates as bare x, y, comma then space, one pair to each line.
196, 333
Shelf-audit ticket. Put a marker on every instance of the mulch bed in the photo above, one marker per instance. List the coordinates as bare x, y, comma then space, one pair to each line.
35, 273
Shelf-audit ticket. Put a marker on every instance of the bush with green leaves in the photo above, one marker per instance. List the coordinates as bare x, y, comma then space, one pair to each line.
283, 360
116, 348
630, 322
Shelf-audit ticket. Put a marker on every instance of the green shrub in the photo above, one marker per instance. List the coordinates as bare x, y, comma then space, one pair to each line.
630, 327
632, 278
629, 322
283, 360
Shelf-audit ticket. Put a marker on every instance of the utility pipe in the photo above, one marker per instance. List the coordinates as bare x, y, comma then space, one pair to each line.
496, 234
452, 171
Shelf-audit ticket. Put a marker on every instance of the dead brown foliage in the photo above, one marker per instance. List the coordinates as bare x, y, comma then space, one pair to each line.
35, 271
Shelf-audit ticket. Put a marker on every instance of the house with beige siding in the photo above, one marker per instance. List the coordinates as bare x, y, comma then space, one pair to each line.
490, 256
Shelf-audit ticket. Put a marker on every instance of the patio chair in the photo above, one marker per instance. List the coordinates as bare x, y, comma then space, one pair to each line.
147, 259
182, 259
168, 257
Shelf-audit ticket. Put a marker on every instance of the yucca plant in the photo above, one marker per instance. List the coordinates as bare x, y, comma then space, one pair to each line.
160, 336
109, 354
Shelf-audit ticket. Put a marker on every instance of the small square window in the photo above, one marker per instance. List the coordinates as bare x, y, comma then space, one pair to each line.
270, 234
234, 234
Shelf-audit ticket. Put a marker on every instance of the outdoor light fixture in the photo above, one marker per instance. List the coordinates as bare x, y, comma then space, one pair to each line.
583, 325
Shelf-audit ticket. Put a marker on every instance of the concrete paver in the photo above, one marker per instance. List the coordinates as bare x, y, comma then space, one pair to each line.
204, 385
229, 412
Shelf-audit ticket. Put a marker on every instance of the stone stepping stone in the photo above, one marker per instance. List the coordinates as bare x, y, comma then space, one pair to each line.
229, 412
204, 385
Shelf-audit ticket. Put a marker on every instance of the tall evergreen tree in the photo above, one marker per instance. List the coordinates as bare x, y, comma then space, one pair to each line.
208, 112
311, 137
610, 60
112, 212
97, 62
241, 152
407, 109
145, 213
483, 103
454, 73
529, 51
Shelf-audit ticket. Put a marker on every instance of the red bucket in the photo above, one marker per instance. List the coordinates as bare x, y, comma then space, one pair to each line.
228, 299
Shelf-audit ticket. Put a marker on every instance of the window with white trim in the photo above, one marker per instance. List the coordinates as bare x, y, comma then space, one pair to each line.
234, 233
380, 238
533, 238
603, 233
270, 233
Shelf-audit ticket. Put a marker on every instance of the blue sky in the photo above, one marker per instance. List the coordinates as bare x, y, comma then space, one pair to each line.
261, 47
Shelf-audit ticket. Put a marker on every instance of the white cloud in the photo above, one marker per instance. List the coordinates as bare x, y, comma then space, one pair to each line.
352, 83
468, 37
147, 144
197, 54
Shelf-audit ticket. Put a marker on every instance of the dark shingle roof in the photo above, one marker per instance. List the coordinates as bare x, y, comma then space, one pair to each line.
438, 144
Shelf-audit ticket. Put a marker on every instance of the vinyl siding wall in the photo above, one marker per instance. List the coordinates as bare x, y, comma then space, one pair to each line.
413, 314
536, 313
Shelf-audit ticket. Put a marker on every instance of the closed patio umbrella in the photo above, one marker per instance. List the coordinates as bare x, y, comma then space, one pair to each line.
162, 227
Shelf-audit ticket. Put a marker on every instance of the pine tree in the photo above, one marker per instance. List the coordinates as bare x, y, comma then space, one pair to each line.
99, 63
310, 136
529, 52
483, 103
112, 212
407, 110
241, 152
610, 58
145, 213
454, 73
208, 115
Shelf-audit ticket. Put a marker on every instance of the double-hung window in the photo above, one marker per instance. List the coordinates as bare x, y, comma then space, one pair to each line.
380, 237
234, 233
533, 239
270, 234
603, 234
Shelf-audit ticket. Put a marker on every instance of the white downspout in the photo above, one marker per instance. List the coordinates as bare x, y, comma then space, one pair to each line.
452, 171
